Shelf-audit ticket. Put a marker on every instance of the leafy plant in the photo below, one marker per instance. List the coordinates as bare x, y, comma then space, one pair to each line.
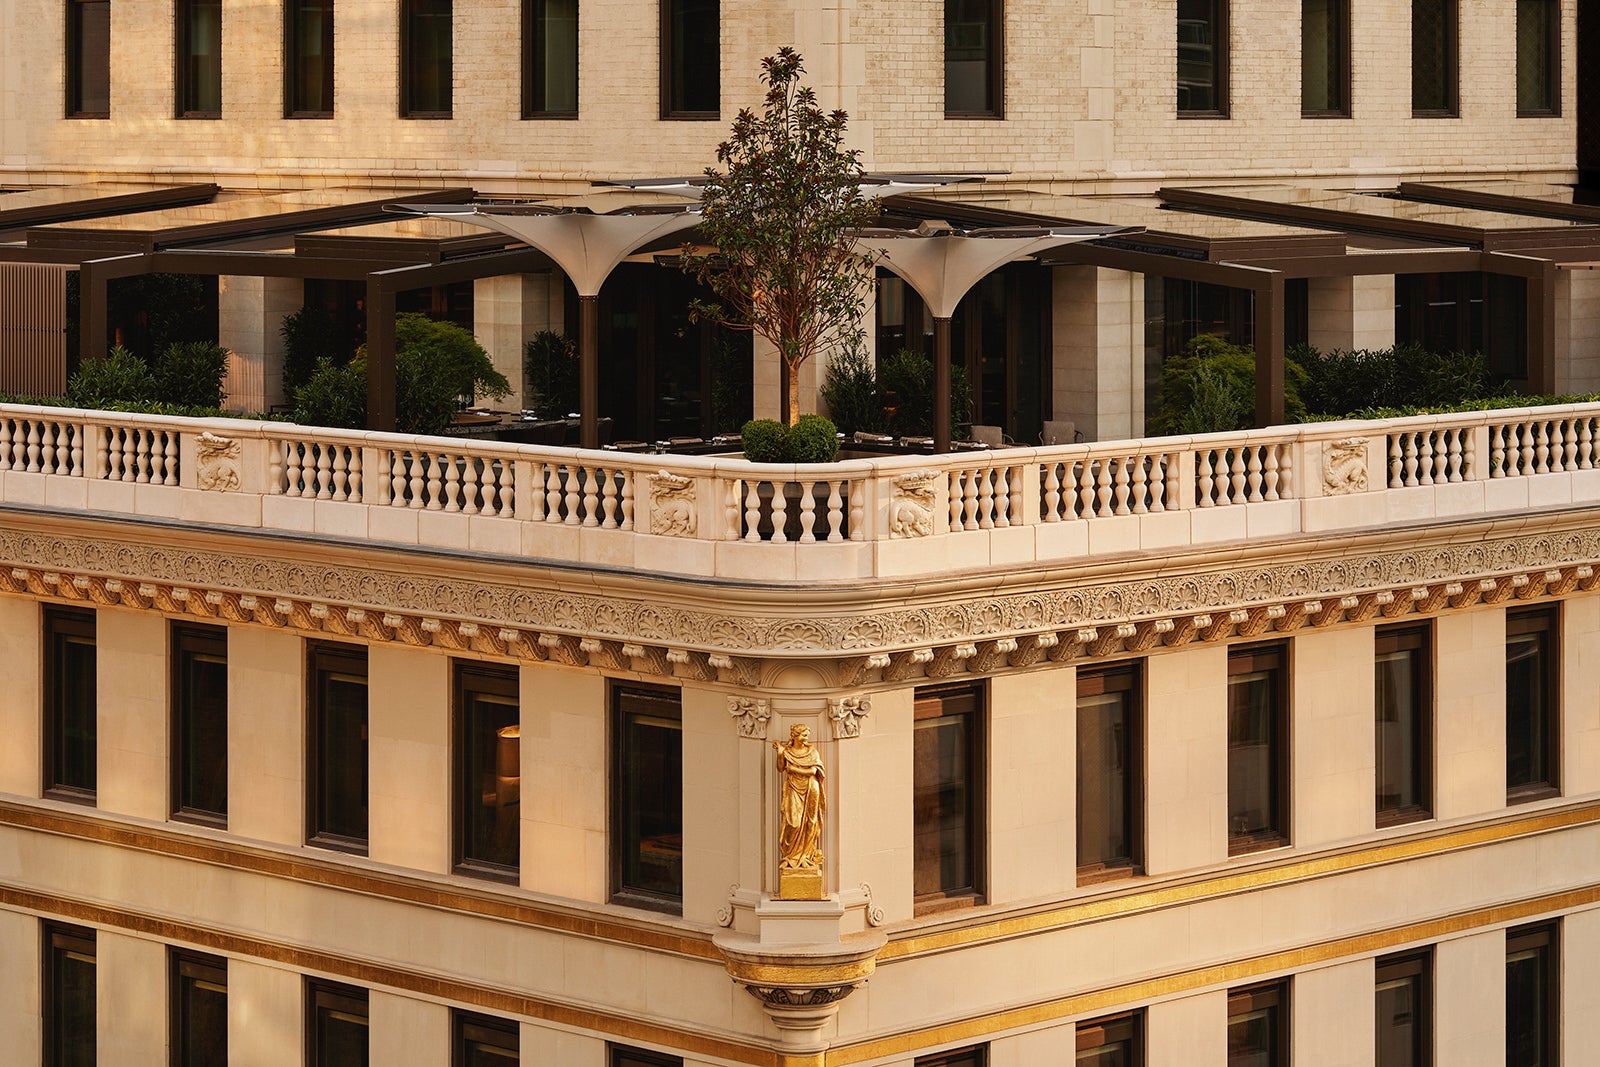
334, 395
452, 354
850, 389
905, 381
781, 218
309, 337
1214, 378
190, 374
119, 376
550, 374
1405, 375
732, 390
813, 439
765, 441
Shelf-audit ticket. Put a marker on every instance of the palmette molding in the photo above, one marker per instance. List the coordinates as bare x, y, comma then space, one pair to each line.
975, 636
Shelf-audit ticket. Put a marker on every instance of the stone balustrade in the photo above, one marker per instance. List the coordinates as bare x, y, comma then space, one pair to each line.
861, 518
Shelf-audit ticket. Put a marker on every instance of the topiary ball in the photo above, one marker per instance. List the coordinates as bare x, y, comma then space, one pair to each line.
813, 439
765, 441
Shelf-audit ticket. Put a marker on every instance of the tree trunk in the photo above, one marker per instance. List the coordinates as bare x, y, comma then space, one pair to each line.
794, 391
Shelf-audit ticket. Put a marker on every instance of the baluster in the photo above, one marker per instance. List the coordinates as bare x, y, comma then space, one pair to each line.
58, 450
858, 510
1083, 487
1119, 484
47, 448
986, 499
591, 496
171, 460
469, 484
1017, 497
1253, 474
552, 493
808, 512
274, 466
1052, 491
77, 450
956, 499
353, 468
752, 511
1563, 445
33, 447
970, 497
608, 502
1269, 474
1136, 472
448, 482
1173, 497
1202, 478
1102, 488
141, 460
1231, 487
574, 495
416, 483
5, 444
1410, 466
730, 510
1396, 471
1585, 445
780, 512
626, 521
1425, 458
339, 476
1497, 451
397, 479
1452, 441
835, 510
1525, 438
1002, 497
1285, 472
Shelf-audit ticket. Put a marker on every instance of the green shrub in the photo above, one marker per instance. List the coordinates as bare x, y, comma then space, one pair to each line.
1215, 405
765, 441
1192, 384
334, 396
309, 336
850, 389
550, 375
905, 380
813, 439
732, 381
190, 373
1403, 376
119, 376
453, 354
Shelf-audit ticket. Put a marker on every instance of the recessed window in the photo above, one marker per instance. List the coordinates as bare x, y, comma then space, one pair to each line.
1403, 707
69, 995
488, 770
550, 59
338, 746
1258, 723
947, 791
972, 1056
70, 705
1117, 1041
1531, 701
1258, 1026
647, 783
484, 1041
1538, 58
974, 59
1404, 1002
1325, 58
1203, 58
308, 59
426, 59
1110, 755
336, 1025
200, 723
1533, 1005
88, 59
691, 59
622, 1056
199, 55
198, 997
1433, 58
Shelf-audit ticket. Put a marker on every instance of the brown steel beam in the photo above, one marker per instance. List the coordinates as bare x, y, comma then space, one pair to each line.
1269, 353
92, 279
941, 385
589, 371
381, 403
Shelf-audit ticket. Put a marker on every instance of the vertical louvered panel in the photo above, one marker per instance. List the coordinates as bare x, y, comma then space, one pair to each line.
33, 328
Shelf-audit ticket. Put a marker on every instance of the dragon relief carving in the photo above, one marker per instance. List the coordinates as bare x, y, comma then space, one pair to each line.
911, 505
1344, 467
218, 468
672, 511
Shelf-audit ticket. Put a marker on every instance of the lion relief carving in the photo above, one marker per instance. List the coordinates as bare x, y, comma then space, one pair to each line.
672, 511
218, 463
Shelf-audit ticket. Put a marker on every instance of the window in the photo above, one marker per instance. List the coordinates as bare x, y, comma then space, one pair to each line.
308, 59
648, 796
488, 770
974, 59
1114, 1042
1531, 703
69, 996
1433, 58
1258, 1026
198, 998
1257, 749
1325, 58
336, 1025
1404, 1011
88, 59
70, 705
199, 52
200, 723
338, 746
691, 59
1533, 1003
622, 1056
1538, 58
947, 791
550, 59
1110, 755
1403, 705
425, 59
484, 1041
1203, 58
973, 1056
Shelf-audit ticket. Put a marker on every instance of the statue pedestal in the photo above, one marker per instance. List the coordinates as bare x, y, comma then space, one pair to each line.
800, 885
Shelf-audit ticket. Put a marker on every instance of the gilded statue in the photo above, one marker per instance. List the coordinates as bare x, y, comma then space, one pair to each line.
801, 806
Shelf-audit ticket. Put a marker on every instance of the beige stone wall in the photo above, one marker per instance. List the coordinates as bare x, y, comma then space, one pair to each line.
1469, 1000
266, 1013
1470, 730
1330, 1016
266, 735
1032, 796
1186, 760
407, 1032
130, 999
1351, 314
20, 945
22, 697
564, 775
409, 712
132, 683
1333, 757
1098, 358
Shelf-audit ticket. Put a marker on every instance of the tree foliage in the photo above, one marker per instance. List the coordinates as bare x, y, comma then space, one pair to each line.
781, 217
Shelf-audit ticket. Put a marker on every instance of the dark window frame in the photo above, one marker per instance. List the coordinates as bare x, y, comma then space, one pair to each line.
970, 1056
996, 61
1343, 108
334, 996
329, 658
186, 639
291, 60
628, 1056
1125, 677
1545, 620
62, 622
200, 966
75, 65
1389, 640
1408, 965
531, 63
1552, 64
490, 680
184, 88
1262, 996
468, 1026
1220, 64
976, 726
669, 62
1545, 938
1249, 659
1127, 1026
64, 937
1450, 74
621, 891
407, 109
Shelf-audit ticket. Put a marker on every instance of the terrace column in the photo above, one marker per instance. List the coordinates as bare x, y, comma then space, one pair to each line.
250, 313
1098, 359
506, 312
1351, 313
